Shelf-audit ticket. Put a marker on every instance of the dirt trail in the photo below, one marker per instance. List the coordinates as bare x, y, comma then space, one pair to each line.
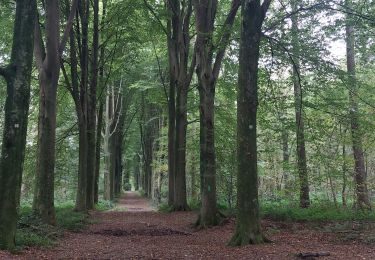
135, 231
131, 202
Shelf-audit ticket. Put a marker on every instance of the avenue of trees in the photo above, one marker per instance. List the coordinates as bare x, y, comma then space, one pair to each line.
194, 103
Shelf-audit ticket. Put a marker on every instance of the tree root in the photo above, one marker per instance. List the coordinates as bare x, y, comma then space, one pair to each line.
248, 238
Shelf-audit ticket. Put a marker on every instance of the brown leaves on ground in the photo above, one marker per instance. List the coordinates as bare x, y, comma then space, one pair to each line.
145, 234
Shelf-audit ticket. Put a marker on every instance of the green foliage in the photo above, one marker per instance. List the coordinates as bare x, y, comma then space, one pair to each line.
194, 204
26, 237
104, 205
32, 232
68, 219
163, 207
284, 211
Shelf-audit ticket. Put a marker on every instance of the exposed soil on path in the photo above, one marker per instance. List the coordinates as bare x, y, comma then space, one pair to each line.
134, 231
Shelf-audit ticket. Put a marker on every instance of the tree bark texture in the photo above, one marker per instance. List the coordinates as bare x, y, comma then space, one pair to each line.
300, 129
81, 197
91, 111
180, 78
97, 153
48, 63
363, 201
207, 70
17, 76
248, 229
49, 71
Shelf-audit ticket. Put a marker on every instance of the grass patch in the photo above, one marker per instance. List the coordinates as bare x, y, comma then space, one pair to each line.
32, 231
68, 219
104, 205
28, 238
165, 208
317, 212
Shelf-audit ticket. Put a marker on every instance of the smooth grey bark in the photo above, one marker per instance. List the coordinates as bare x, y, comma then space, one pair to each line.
17, 76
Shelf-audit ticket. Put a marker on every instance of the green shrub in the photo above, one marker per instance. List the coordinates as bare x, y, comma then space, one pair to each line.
25, 237
68, 219
164, 207
32, 231
317, 212
104, 205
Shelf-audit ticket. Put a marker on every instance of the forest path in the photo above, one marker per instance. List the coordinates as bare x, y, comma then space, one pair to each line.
136, 231
133, 202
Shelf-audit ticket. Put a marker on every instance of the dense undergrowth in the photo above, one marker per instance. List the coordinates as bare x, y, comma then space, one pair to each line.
280, 211
287, 211
32, 232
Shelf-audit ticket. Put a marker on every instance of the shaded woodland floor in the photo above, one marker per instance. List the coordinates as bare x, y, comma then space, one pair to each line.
133, 230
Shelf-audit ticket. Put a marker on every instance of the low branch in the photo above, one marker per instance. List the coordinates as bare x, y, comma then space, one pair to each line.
193, 121
162, 78
299, 10
149, 7
68, 26
265, 6
39, 49
224, 40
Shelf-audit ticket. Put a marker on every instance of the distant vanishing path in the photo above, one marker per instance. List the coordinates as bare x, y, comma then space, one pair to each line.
132, 202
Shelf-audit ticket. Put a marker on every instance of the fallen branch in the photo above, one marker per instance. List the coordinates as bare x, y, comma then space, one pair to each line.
310, 254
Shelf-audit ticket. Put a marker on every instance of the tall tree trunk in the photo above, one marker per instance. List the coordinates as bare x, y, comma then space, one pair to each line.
49, 70
207, 72
180, 200
48, 63
17, 76
106, 147
285, 144
180, 74
248, 229
81, 199
300, 129
97, 153
363, 201
208, 212
91, 111
193, 175
205, 12
171, 124
344, 178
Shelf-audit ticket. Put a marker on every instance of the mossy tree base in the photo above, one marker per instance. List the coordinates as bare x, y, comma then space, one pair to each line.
180, 208
248, 238
208, 222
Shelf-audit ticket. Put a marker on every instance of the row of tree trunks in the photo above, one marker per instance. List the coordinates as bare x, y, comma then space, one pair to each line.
180, 74
149, 127
17, 76
111, 118
84, 96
